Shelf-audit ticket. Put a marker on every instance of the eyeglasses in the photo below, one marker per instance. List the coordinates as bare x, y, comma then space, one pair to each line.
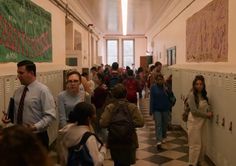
73, 81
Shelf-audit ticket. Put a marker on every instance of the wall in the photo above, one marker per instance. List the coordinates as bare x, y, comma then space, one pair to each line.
140, 46
175, 33
221, 90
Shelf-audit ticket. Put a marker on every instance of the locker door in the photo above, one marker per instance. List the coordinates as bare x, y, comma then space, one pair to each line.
9, 89
1, 96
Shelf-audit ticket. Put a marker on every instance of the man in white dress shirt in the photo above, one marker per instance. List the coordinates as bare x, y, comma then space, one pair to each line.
36, 110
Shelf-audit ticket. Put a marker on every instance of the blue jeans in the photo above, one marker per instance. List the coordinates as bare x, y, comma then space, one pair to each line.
161, 123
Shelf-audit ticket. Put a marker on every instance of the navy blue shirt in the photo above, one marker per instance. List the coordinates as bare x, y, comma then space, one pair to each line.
158, 99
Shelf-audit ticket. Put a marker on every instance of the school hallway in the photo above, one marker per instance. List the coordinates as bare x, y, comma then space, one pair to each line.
174, 152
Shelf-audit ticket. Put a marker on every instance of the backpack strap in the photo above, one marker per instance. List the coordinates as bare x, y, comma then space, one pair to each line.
84, 139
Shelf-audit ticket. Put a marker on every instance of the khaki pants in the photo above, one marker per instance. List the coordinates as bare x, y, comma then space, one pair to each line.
196, 139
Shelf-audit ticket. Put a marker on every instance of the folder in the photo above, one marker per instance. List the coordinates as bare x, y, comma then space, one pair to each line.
10, 110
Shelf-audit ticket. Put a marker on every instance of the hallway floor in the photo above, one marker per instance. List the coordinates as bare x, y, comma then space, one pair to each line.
174, 152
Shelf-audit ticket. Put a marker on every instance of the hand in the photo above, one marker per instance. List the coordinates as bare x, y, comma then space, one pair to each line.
31, 127
5, 118
209, 115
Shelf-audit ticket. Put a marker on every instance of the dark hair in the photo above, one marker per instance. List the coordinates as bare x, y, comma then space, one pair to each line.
140, 69
73, 72
130, 72
84, 74
119, 91
127, 68
195, 93
158, 64
29, 66
115, 66
152, 67
93, 68
19, 146
81, 112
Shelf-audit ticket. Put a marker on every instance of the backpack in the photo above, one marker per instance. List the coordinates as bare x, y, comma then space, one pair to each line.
171, 98
186, 110
121, 128
114, 79
132, 88
79, 156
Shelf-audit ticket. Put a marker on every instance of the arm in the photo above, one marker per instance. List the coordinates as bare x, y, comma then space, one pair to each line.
106, 116
136, 115
193, 107
96, 154
62, 111
48, 110
151, 99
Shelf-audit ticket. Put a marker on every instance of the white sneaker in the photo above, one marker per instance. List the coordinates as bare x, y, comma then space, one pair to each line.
164, 141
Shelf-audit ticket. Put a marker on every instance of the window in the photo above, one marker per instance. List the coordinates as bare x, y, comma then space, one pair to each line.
128, 52
112, 51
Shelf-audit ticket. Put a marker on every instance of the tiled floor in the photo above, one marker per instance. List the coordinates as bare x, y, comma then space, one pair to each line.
175, 150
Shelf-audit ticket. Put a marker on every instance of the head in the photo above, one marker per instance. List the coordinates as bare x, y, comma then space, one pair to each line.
19, 146
85, 75
199, 87
26, 72
130, 73
158, 66
100, 69
119, 91
93, 70
115, 66
82, 114
73, 80
160, 79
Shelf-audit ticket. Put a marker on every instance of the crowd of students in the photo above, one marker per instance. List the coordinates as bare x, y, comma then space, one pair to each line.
89, 104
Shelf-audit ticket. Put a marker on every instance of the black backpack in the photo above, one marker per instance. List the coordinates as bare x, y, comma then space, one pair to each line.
121, 128
79, 156
114, 79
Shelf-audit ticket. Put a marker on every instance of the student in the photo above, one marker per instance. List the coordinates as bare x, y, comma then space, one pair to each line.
19, 146
34, 106
199, 112
80, 120
68, 98
122, 153
99, 99
160, 108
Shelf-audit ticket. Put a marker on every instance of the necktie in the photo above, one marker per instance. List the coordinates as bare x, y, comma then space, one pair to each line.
21, 106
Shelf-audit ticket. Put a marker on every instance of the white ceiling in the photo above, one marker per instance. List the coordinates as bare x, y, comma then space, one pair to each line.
106, 14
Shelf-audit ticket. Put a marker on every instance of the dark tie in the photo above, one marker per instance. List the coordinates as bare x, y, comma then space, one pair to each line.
21, 106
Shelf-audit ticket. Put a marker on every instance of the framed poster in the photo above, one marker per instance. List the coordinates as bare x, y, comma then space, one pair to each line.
25, 32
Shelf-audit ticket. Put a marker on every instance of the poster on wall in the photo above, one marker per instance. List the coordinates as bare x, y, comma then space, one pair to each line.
25, 32
207, 34
77, 41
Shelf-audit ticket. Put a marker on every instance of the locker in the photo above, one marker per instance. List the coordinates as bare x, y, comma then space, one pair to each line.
1, 97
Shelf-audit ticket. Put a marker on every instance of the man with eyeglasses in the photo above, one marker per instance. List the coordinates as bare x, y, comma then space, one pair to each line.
34, 106
68, 98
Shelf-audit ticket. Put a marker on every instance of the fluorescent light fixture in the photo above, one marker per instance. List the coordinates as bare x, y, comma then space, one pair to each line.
124, 9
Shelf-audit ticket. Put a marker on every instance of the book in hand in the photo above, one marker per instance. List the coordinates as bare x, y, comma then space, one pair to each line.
10, 111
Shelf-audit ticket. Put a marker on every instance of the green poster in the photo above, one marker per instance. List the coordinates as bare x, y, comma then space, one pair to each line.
25, 32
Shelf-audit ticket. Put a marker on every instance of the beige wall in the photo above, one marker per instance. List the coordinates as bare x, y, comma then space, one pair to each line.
175, 33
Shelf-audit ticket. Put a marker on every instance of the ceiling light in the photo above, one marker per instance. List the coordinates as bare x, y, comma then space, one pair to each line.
124, 9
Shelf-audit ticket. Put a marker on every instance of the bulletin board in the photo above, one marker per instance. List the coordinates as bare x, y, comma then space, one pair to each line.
207, 34
25, 32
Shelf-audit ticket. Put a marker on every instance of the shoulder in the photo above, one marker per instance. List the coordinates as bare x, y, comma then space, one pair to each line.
62, 94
